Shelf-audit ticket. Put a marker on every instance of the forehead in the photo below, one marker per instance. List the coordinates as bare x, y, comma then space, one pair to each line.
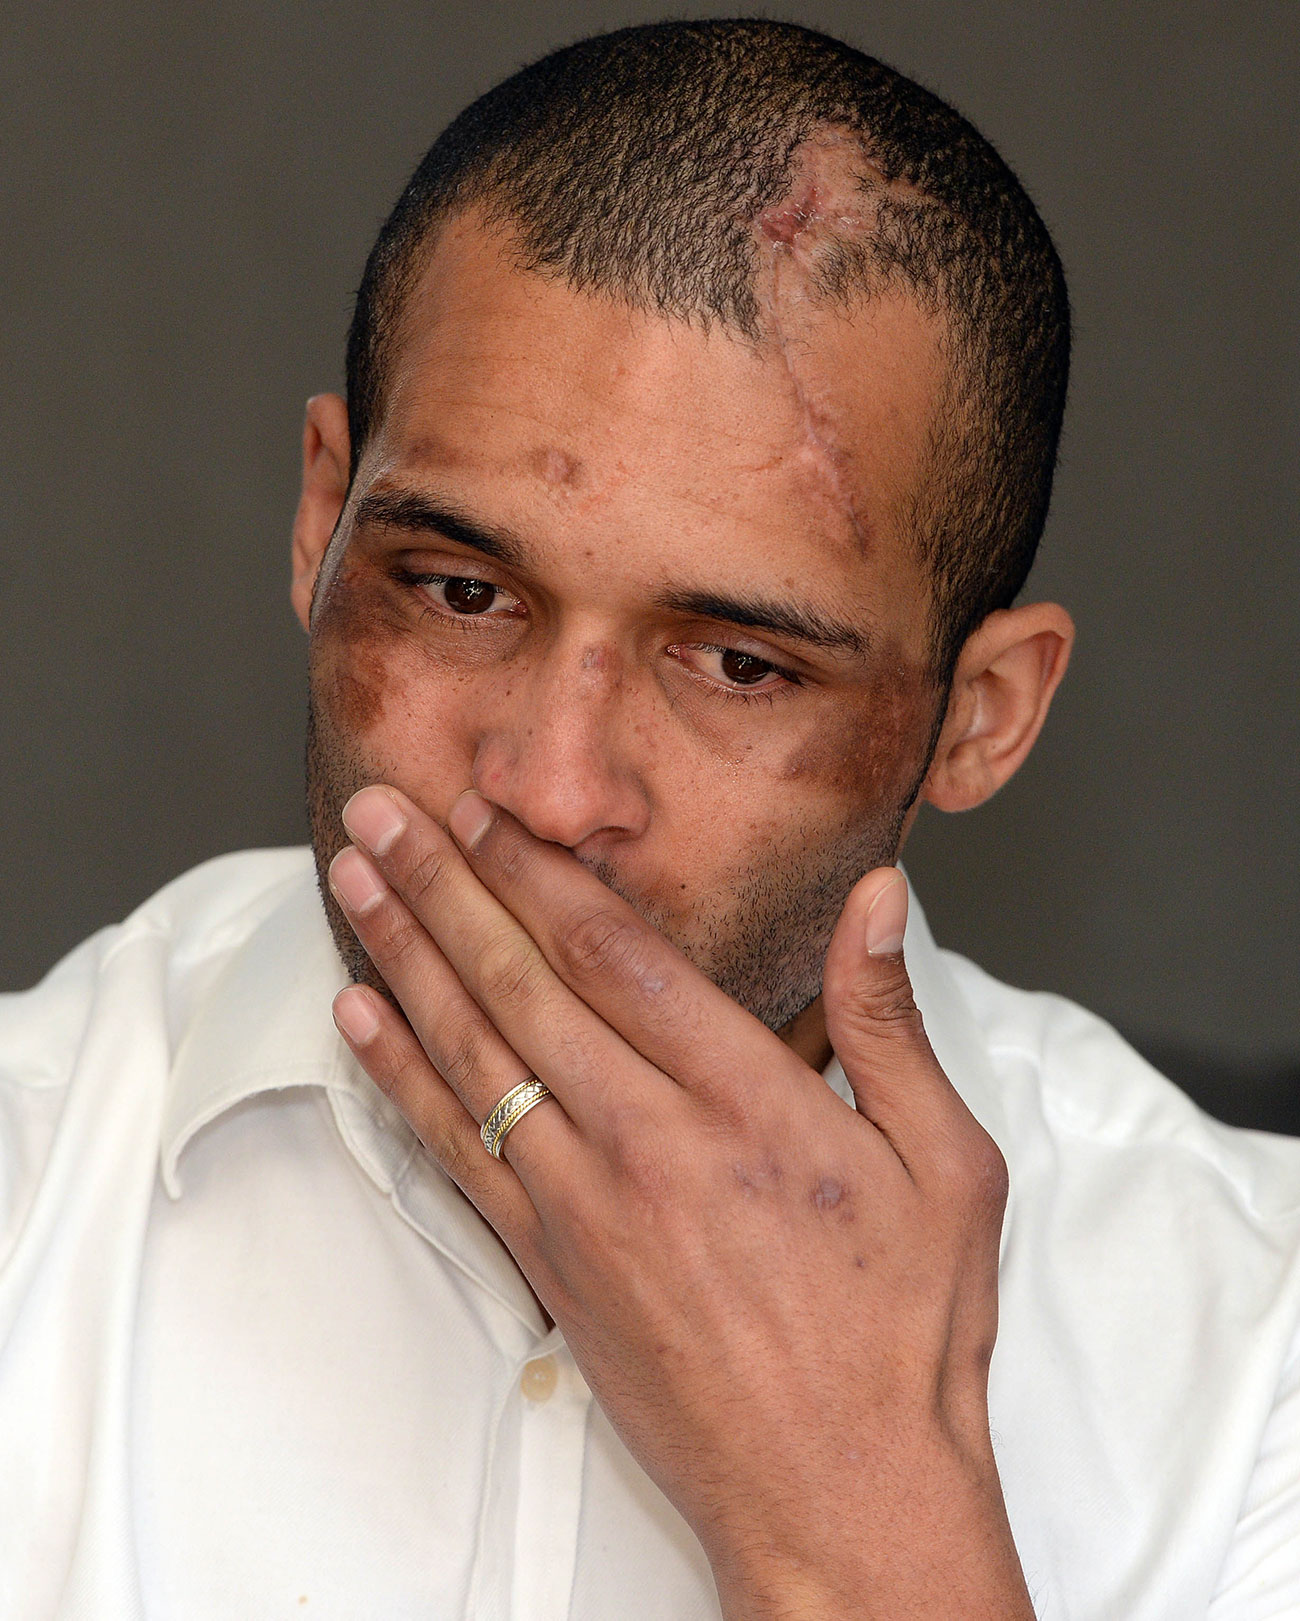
542, 400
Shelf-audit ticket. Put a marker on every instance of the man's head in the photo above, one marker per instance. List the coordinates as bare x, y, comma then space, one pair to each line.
719, 370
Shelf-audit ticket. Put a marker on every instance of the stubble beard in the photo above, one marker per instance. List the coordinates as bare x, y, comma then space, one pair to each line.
765, 947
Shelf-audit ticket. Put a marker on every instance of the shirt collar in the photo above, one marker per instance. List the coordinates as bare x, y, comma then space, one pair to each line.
264, 1026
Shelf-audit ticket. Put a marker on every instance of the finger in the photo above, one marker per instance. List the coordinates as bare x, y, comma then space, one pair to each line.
878, 1035
387, 1049
614, 960
588, 1066
458, 1041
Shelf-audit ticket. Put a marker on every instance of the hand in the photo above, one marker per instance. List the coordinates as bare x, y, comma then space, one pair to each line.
786, 1308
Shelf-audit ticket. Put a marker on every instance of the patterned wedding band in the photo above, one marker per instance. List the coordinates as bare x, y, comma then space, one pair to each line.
510, 1111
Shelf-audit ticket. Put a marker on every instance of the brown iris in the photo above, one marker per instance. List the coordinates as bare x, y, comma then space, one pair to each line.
469, 596
743, 668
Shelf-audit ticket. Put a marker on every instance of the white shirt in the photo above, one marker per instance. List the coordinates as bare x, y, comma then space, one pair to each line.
259, 1358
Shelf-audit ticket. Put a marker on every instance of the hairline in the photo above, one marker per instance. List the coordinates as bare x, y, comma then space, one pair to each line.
404, 280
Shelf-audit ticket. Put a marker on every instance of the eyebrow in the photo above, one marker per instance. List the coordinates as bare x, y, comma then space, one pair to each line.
784, 618
408, 509
405, 509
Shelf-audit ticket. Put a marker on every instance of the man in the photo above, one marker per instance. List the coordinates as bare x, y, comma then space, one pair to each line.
703, 396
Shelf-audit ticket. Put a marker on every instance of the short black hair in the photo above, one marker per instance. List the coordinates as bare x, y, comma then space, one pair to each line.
637, 163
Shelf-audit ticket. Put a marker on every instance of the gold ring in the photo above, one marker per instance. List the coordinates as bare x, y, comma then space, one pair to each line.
510, 1111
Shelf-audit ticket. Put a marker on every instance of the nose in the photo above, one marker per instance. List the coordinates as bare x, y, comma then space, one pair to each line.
556, 747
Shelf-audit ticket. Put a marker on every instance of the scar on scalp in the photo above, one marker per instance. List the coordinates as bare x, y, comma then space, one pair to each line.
814, 246
833, 204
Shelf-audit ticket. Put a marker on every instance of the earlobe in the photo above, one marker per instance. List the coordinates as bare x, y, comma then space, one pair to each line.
325, 468
1003, 686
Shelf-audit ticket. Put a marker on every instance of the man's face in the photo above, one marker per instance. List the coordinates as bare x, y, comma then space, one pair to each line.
536, 585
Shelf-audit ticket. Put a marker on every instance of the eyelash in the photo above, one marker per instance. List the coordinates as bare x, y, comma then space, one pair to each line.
749, 695
464, 622
445, 616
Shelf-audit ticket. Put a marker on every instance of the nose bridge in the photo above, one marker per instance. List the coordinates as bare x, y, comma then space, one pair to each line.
551, 747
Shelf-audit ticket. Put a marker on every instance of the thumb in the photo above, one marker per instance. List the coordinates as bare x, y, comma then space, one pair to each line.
872, 1019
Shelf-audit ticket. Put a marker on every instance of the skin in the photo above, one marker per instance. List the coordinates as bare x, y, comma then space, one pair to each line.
611, 849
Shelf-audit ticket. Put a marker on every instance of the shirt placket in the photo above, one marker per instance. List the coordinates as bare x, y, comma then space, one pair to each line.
553, 1400
532, 1505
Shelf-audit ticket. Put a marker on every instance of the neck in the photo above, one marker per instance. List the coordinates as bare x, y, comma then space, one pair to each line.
806, 1036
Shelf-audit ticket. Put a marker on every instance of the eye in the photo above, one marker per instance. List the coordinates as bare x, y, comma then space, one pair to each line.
465, 597
733, 670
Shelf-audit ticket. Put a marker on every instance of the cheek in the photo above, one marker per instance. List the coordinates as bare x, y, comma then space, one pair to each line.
874, 750
362, 651
387, 706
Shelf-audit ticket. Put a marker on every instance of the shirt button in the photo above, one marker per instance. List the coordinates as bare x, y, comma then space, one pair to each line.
539, 1378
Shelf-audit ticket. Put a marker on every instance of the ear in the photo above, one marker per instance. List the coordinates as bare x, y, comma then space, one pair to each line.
325, 462
1002, 688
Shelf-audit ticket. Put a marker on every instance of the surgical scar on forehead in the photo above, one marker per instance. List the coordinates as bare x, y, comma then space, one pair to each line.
814, 246
557, 467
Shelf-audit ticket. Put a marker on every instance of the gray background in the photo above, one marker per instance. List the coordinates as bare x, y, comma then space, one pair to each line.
188, 195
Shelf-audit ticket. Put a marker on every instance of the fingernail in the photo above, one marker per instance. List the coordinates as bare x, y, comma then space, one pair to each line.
355, 1016
374, 818
886, 919
469, 818
355, 881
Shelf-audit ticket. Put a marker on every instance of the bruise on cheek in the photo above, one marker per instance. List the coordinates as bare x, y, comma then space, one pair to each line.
352, 651
879, 744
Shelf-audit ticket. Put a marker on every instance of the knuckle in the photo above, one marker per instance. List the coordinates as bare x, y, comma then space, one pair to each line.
509, 974
638, 1151
423, 873
895, 1006
889, 1009
392, 1071
408, 1070
452, 1151
397, 936
513, 857
973, 1166
644, 1167
990, 1178
462, 1052
598, 944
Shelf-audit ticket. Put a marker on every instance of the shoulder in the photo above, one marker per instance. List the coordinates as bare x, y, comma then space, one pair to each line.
216, 905
93, 1040
140, 971
1071, 1078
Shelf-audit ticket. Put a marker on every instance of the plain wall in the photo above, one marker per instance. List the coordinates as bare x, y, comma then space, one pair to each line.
189, 194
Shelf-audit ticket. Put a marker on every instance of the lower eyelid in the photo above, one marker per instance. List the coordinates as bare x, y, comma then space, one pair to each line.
419, 582
788, 681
